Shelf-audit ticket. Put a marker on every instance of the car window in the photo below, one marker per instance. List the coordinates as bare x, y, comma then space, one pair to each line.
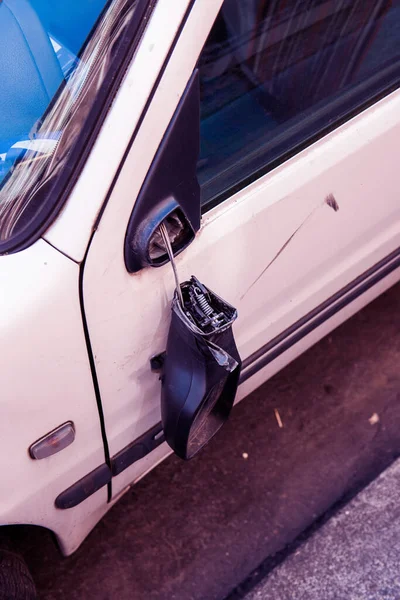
54, 61
276, 74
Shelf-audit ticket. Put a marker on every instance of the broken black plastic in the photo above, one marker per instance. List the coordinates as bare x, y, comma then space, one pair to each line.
201, 369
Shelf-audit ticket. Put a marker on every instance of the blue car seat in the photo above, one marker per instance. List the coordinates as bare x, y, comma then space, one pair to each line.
29, 71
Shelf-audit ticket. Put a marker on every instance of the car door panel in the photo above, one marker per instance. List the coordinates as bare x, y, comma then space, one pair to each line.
276, 250
46, 381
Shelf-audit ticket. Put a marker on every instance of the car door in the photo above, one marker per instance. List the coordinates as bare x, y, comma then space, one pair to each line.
300, 124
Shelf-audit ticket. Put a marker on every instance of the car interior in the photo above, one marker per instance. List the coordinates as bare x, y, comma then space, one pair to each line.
41, 41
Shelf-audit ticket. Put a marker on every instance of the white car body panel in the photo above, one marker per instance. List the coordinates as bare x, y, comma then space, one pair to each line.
128, 315
45, 380
312, 338
275, 250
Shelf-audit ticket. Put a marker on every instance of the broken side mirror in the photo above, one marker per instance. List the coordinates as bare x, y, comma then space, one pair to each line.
201, 365
201, 369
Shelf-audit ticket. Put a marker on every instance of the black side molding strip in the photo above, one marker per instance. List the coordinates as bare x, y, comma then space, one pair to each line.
101, 476
85, 487
137, 449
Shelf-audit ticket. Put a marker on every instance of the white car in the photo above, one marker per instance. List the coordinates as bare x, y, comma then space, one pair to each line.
258, 142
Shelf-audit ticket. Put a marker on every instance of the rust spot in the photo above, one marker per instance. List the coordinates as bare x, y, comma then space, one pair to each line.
330, 200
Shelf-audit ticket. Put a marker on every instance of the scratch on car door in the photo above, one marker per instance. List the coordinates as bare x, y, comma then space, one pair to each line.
330, 201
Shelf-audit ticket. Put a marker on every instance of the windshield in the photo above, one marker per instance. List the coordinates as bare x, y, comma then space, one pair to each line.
55, 56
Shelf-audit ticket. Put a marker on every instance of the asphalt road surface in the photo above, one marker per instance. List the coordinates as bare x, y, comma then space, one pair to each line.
354, 556
211, 528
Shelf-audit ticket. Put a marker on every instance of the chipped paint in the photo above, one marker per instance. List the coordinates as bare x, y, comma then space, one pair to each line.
330, 200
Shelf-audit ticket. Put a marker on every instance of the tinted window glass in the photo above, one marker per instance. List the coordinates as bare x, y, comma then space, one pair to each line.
276, 73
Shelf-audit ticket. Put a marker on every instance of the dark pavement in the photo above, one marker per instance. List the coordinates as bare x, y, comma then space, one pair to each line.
354, 556
199, 530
